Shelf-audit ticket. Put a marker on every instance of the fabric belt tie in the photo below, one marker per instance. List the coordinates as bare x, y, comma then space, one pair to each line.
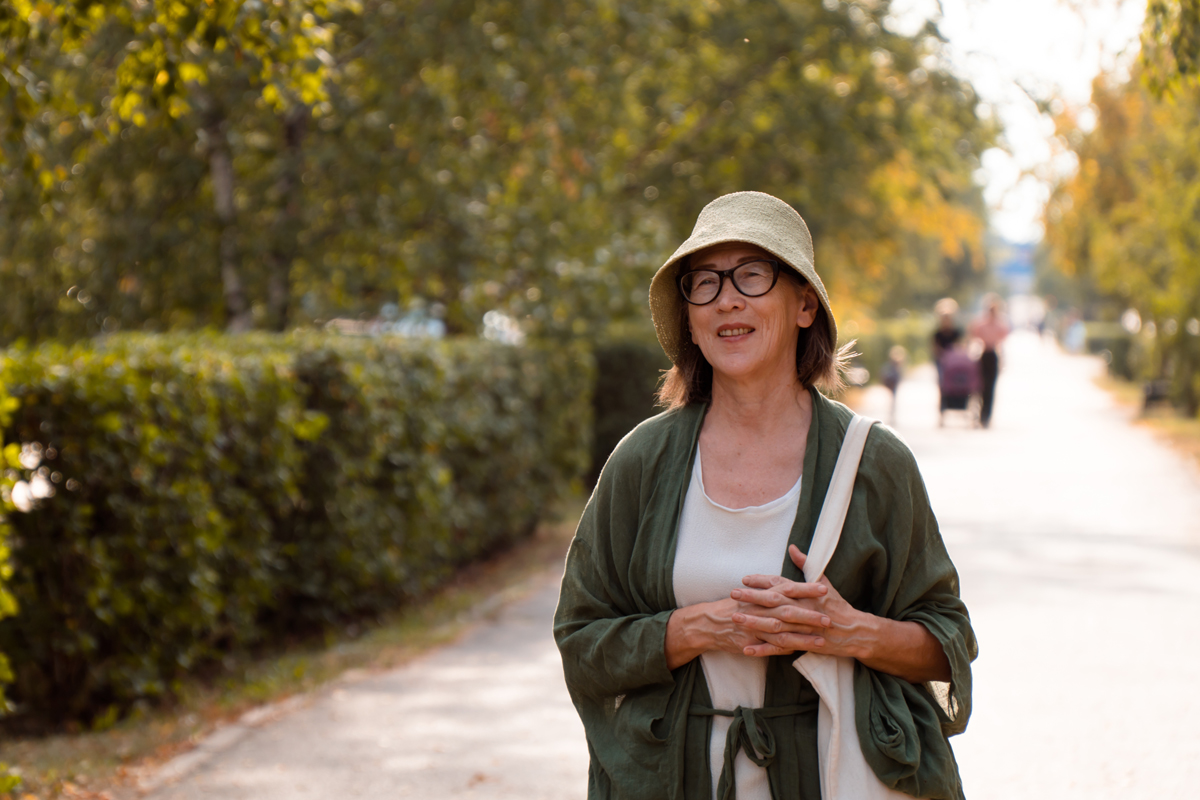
750, 733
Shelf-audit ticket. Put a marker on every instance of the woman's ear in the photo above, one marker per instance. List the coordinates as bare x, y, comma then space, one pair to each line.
806, 314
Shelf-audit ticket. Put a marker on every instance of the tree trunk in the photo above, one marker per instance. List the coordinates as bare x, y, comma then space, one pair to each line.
287, 224
220, 162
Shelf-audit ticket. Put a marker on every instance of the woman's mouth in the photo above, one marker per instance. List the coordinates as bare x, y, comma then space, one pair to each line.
733, 332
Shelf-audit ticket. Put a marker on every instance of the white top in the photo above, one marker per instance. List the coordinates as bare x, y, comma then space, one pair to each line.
717, 547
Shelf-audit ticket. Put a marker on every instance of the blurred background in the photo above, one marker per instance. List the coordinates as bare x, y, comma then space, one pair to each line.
296, 297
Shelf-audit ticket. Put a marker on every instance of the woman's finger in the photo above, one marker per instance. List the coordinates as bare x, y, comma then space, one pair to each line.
798, 615
790, 615
764, 650
766, 624
784, 644
773, 594
759, 624
789, 642
803, 591
797, 557
767, 598
762, 581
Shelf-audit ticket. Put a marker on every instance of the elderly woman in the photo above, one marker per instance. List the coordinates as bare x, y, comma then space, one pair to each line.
683, 605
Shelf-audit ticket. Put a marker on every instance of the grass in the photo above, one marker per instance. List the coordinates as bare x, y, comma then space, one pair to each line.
100, 765
1180, 432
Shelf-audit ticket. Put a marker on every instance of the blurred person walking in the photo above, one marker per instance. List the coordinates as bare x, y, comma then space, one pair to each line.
892, 374
958, 381
683, 606
948, 333
991, 329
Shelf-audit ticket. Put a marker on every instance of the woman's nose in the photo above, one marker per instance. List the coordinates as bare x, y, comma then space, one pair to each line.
729, 298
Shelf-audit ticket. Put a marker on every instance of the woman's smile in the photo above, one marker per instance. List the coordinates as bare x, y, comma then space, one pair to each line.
737, 332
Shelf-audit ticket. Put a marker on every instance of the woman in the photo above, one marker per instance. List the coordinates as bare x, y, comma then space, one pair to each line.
683, 605
947, 334
991, 329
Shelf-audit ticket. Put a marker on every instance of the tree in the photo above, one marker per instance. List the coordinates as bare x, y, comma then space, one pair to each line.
1129, 221
1171, 44
177, 64
537, 158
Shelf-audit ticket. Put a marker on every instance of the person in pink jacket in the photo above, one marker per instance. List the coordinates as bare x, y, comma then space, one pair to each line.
991, 329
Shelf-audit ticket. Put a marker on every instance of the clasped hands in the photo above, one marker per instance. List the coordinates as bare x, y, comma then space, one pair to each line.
777, 616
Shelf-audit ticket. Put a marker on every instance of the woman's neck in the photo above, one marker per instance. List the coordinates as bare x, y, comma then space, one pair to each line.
760, 408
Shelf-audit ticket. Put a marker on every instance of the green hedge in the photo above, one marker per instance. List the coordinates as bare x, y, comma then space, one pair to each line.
214, 493
627, 376
9, 462
1125, 358
914, 333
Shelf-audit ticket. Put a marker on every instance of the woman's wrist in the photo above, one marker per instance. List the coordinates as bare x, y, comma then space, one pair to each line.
685, 639
904, 649
867, 636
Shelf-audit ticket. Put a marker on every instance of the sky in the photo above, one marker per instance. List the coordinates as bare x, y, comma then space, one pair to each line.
1012, 49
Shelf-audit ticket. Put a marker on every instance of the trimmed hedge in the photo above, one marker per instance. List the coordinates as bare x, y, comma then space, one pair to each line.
214, 492
914, 333
627, 375
1125, 356
8, 464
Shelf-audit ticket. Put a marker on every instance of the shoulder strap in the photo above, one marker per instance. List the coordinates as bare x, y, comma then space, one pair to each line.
837, 498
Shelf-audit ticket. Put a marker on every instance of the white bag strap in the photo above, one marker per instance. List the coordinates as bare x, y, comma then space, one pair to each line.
837, 498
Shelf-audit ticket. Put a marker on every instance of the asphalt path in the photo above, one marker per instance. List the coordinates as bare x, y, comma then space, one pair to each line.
1077, 538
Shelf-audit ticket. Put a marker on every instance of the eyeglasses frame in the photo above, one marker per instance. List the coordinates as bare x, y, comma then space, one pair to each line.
722, 274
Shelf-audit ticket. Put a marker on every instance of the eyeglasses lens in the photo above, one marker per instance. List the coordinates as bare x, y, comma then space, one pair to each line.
751, 279
754, 278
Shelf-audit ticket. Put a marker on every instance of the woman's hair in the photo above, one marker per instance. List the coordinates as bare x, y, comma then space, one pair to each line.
819, 362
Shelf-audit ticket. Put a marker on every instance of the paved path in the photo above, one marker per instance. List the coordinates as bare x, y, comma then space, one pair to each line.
1078, 540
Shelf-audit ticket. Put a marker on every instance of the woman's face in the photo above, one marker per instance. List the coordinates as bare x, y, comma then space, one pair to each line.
748, 337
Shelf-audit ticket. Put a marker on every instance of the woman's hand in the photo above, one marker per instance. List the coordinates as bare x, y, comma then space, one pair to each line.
786, 618
704, 627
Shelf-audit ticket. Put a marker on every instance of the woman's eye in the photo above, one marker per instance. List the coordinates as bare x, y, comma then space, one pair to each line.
755, 271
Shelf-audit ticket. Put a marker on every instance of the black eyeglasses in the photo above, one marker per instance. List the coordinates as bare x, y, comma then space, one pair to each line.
753, 279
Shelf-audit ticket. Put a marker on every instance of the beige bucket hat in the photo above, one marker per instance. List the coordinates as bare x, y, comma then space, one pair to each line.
751, 217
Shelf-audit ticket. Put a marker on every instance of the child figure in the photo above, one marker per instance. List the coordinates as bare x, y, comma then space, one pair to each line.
893, 372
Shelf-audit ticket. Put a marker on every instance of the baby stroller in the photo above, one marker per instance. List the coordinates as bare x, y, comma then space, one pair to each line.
958, 384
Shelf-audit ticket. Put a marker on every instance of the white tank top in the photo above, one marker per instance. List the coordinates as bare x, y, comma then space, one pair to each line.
717, 547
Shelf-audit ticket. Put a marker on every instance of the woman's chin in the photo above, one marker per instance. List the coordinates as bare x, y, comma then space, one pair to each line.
737, 366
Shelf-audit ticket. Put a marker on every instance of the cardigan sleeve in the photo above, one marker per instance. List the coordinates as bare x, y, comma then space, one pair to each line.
611, 626
902, 726
611, 640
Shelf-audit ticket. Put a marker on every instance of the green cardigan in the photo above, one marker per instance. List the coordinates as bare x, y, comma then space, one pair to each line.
645, 737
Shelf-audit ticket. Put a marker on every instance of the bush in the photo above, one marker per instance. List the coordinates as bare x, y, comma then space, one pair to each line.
1166, 360
1118, 348
212, 492
875, 338
627, 376
8, 464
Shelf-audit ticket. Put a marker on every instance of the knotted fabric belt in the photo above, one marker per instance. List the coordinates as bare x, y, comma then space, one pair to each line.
750, 733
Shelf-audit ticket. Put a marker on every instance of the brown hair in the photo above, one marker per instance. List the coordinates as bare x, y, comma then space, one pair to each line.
819, 362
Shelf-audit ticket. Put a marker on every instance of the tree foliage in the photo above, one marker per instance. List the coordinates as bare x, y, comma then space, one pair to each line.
540, 158
1129, 221
1171, 44
178, 64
